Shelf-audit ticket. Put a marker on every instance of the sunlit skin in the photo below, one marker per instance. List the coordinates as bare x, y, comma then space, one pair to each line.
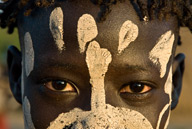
60, 81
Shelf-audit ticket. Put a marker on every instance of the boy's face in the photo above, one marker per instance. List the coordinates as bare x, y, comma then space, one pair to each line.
81, 73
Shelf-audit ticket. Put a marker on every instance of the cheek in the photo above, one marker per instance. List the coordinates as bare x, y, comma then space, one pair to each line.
27, 114
160, 55
168, 90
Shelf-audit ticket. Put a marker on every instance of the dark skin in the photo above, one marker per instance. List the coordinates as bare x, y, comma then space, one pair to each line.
133, 65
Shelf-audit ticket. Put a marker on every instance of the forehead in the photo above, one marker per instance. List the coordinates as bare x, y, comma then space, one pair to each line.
38, 23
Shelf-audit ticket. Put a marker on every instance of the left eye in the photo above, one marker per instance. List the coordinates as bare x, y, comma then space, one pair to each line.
60, 85
135, 88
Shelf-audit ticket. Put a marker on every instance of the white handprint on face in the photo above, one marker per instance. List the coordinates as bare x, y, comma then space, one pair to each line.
162, 51
102, 115
160, 56
56, 27
86, 30
128, 33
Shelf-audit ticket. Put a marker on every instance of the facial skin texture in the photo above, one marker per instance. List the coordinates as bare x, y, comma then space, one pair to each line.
29, 53
86, 30
56, 27
162, 51
74, 65
128, 33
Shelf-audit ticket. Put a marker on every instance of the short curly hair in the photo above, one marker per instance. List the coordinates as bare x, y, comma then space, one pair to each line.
150, 9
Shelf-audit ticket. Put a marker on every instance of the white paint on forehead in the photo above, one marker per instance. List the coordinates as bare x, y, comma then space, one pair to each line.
56, 27
86, 30
29, 53
168, 90
128, 33
161, 53
27, 114
102, 115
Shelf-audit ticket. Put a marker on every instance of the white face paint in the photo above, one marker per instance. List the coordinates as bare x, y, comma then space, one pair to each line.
27, 114
161, 53
56, 27
102, 115
128, 33
29, 53
168, 90
86, 30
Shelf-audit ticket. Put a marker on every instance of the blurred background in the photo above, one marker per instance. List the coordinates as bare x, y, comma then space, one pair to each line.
11, 112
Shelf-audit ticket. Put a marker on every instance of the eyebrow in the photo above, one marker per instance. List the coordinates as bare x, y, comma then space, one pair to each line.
48, 65
136, 68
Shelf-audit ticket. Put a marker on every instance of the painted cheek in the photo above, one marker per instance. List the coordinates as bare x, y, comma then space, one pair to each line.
29, 53
128, 33
168, 90
27, 114
56, 27
160, 55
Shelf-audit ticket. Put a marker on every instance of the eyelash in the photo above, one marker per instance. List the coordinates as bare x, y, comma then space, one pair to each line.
132, 85
137, 97
51, 81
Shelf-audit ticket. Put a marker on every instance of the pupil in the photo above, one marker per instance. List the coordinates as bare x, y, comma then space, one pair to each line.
59, 85
136, 87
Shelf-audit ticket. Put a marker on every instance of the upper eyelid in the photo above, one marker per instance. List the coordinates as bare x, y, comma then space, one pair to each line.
148, 83
68, 81
58, 79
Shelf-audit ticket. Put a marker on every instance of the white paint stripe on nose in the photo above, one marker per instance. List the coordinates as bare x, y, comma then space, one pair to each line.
98, 60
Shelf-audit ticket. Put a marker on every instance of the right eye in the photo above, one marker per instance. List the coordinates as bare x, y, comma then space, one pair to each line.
60, 85
137, 88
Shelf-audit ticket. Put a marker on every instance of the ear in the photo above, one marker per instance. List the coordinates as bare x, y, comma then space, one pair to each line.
14, 69
178, 70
